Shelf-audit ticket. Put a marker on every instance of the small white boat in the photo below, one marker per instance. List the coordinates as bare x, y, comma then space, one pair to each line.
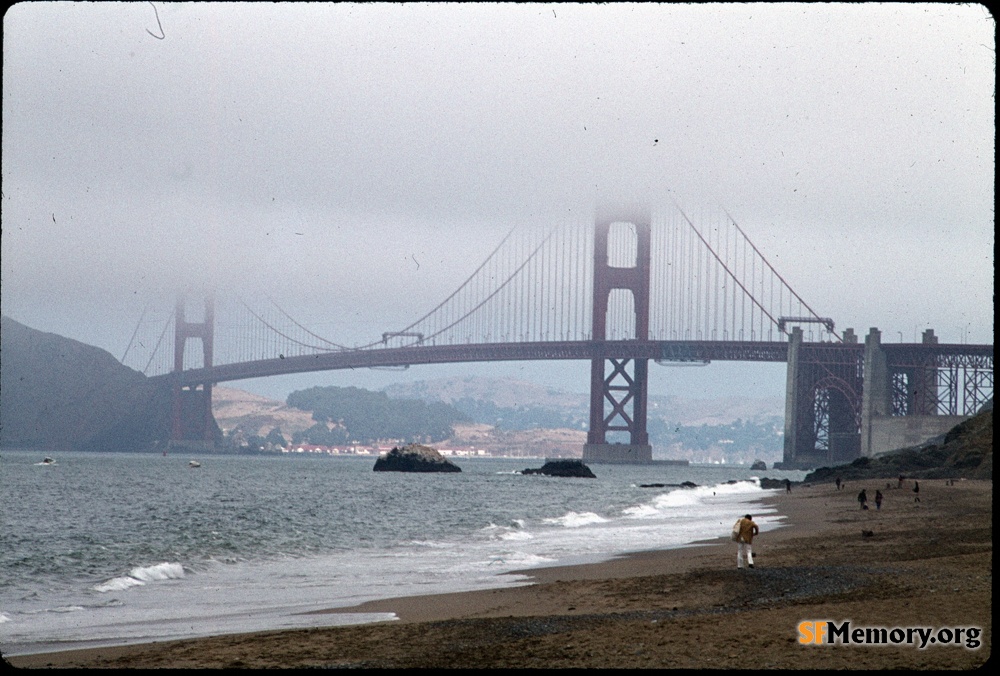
194, 463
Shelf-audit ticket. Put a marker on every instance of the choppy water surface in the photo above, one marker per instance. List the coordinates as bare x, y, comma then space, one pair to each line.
114, 548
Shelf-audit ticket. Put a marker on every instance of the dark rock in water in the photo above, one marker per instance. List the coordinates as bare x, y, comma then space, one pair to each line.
758, 464
685, 484
570, 468
689, 484
415, 458
772, 483
652, 485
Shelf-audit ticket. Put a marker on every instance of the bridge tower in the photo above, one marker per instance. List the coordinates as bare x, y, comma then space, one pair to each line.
616, 379
191, 405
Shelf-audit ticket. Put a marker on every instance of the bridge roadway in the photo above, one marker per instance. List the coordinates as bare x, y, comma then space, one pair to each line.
679, 351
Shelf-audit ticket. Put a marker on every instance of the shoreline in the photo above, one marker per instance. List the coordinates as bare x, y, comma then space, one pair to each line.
521, 601
817, 564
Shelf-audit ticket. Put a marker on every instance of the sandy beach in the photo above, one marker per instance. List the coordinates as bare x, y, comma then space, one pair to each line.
911, 564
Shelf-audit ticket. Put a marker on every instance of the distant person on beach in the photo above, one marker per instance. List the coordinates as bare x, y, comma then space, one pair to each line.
788, 486
863, 499
900, 484
838, 483
878, 500
916, 491
744, 551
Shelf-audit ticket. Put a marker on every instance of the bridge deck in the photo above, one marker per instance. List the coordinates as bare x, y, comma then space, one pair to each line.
681, 351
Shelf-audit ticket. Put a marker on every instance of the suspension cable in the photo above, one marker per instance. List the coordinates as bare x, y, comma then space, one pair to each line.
495, 291
454, 293
160, 340
136, 332
282, 334
771, 267
292, 319
726, 268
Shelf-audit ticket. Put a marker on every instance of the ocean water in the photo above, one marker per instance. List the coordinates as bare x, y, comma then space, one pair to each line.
106, 549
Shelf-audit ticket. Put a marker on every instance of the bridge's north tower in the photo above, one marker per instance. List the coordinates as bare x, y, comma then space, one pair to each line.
618, 384
191, 405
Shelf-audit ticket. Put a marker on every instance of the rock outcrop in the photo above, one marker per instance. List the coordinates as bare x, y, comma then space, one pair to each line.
569, 468
683, 484
965, 452
414, 458
758, 464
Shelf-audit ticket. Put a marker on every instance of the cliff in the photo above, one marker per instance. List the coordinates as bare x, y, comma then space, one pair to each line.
57, 393
966, 451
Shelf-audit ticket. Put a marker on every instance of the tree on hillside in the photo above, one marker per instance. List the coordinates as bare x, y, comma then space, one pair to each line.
275, 437
368, 416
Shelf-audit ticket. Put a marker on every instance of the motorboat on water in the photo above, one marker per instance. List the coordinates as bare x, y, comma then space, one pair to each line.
47, 461
194, 463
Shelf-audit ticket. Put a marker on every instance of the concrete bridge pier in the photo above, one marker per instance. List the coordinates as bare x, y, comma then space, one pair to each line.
877, 402
901, 402
823, 401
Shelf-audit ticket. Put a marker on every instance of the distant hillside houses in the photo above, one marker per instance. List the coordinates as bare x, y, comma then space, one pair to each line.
464, 452
373, 450
334, 450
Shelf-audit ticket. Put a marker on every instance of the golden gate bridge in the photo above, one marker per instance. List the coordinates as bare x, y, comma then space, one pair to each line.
629, 289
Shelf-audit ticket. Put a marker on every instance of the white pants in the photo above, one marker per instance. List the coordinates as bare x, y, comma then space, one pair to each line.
743, 551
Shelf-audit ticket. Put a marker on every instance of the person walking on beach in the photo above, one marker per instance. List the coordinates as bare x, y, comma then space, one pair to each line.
788, 486
838, 483
878, 500
916, 491
863, 499
744, 551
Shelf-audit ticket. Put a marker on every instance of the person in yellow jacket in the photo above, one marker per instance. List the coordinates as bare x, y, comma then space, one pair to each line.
743, 545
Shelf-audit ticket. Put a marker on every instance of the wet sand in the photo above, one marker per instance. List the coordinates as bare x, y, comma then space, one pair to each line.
926, 564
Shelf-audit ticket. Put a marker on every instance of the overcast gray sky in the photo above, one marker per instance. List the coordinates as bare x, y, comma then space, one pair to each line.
314, 151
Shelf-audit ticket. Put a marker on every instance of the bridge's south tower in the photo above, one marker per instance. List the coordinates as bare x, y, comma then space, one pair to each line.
618, 384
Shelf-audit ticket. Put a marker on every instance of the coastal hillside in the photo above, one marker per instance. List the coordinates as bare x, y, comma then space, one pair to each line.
735, 429
60, 394
239, 412
519, 418
506, 394
965, 452
254, 415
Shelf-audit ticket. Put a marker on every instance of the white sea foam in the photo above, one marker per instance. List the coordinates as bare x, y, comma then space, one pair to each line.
516, 531
641, 511
161, 571
118, 584
522, 560
431, 544
141, 575
576, 519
